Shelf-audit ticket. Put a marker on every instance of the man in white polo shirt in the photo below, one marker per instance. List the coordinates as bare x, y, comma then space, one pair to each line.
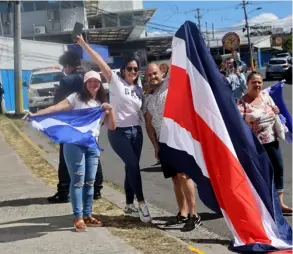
183, 184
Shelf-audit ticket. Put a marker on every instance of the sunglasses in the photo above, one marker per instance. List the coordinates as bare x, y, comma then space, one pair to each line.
129, 69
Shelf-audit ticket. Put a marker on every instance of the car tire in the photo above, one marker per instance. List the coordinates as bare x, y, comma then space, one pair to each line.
268, 77
33, 110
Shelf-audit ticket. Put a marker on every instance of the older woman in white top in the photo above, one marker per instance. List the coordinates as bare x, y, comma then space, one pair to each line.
260, 113
126, 140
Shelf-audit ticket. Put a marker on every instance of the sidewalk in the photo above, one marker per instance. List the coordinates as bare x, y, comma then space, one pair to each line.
28, 224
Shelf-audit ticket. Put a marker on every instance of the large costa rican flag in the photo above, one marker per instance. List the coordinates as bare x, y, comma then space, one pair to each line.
206, 136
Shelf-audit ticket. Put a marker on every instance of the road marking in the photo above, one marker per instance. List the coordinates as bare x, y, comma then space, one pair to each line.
195, 250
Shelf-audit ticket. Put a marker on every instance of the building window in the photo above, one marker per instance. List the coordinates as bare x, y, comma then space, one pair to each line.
111, 20
76, 4
125, 19
41, 5
138, 18
65, 4
96, 22
53, 5
28, 6
3, 7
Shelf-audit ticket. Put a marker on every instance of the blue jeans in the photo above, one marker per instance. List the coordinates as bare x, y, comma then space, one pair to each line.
82, 163
127, 144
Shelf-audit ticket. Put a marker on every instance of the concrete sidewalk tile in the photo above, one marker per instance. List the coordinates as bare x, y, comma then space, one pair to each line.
28, 224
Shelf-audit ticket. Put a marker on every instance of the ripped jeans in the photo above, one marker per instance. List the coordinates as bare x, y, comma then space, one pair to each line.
82, 163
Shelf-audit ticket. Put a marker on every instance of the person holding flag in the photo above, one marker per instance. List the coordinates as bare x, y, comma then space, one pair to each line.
127, 139
261, 114
183, 185
205, 135
81, 157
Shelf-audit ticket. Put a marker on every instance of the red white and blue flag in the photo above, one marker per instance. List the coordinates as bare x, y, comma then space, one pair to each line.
207, 138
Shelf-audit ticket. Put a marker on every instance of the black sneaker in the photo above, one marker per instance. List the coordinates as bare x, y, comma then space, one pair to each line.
58, 199
177, 220
192, 223
97, 196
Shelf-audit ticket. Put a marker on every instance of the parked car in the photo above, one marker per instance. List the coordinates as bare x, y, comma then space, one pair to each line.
282, 55
41, 87
277, 67
288, 75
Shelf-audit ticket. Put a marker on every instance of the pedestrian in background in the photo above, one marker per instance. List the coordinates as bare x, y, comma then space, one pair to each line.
164, 68
2, 104
126, 140
261, 114
236, 79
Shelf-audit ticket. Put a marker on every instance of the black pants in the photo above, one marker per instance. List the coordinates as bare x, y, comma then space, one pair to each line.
64, 178
274, 152
1, 98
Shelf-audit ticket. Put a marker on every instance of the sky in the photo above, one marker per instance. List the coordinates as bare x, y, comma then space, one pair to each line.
223, 14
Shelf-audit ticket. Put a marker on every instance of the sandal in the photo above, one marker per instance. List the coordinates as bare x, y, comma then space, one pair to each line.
92, 222
79, 225
286, 210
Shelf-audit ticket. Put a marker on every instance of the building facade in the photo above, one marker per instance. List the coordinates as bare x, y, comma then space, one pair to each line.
115, 24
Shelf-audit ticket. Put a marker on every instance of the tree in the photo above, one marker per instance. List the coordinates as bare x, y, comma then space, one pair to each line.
288, 44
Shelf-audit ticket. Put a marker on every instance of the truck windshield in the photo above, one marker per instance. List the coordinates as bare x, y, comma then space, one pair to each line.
46, 77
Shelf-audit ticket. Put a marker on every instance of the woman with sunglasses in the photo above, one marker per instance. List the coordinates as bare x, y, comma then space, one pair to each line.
126, 140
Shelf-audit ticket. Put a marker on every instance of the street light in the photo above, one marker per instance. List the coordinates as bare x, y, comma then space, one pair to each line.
257, 9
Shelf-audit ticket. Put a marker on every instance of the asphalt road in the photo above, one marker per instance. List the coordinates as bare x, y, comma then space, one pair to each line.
159, 191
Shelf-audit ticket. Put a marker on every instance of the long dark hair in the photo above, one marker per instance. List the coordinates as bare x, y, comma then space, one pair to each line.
124, 65
85, 96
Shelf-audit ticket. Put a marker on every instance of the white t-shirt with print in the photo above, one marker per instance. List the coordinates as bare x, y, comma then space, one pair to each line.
78, 104
126, 100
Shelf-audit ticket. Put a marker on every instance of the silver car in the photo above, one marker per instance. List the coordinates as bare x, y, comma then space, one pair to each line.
277, 67
43, 82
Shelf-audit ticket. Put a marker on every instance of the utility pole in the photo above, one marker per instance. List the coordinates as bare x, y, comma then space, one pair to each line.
17, 59
244, 3
207, 35
198, 18
213, 31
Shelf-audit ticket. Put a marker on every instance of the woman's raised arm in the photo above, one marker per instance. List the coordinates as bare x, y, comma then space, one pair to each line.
104, 67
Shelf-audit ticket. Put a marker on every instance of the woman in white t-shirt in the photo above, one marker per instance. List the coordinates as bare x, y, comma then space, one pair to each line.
126, 140
82, 162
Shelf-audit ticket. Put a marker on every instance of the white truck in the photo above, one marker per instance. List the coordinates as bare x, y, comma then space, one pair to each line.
41, 87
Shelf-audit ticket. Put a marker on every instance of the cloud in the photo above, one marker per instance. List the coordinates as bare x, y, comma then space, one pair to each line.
266, 19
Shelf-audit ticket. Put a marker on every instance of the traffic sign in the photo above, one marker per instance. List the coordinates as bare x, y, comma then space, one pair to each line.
231, 41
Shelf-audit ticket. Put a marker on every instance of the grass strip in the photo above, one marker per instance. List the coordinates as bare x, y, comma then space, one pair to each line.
146, 238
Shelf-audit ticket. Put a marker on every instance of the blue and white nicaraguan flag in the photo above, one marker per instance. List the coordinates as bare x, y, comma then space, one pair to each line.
206, 137
276, 92
75, 126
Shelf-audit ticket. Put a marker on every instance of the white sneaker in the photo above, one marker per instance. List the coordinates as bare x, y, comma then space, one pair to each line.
144, 213
131, 210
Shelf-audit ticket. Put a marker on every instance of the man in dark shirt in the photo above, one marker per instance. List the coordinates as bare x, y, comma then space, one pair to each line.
1, 99
71, 83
